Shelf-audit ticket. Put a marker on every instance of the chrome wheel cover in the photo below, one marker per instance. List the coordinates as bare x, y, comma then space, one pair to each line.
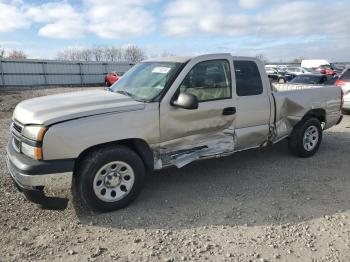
311, 137
113, 181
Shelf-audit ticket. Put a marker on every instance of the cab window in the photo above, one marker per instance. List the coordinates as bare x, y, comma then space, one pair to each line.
248, 79
209, 80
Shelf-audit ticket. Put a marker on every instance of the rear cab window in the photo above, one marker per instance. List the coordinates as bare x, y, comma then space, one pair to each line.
248, 78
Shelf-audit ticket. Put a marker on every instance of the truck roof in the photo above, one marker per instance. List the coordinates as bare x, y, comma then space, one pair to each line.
184, 59
176, 59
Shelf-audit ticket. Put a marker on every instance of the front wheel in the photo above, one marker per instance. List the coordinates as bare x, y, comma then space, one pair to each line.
110, 178
306, 137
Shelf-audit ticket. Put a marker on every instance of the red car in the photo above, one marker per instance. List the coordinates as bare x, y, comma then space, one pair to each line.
326, 70
111, 78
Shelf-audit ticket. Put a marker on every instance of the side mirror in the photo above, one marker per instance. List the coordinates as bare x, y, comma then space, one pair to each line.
186, 101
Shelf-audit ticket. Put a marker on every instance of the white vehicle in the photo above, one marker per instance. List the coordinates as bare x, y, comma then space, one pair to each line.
315, 63
344, 82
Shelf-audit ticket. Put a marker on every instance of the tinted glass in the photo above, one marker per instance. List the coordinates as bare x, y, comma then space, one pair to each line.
248, 79
209, 80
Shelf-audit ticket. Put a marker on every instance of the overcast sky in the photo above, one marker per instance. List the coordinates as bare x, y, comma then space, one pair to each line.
280, 29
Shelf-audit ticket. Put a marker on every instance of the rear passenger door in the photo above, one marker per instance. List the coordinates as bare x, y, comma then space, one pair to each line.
253, 105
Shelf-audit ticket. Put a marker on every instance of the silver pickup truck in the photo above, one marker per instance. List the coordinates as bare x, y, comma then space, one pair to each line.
163, 112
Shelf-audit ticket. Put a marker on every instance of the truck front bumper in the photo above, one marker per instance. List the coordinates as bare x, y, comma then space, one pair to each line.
32, 176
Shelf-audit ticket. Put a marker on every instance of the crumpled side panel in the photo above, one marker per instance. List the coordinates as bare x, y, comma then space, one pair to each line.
292, 103
183, 151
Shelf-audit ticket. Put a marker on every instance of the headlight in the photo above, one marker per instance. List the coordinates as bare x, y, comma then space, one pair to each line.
35, 133
31, 151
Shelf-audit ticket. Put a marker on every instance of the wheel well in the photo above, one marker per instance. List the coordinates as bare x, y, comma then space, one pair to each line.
138, 145
320, 114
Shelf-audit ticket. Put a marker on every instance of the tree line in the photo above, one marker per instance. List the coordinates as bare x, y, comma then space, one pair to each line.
12, 54
131, 54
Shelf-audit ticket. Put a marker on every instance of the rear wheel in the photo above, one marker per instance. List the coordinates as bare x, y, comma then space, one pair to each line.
110, 178
306, 137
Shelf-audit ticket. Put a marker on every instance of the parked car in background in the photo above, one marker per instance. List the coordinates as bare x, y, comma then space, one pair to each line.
313, 79
344, 82
326, 70
298, 70
279, 75
314, 63
111, 78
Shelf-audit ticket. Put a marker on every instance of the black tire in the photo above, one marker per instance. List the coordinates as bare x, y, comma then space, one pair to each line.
346, 112
89, 167
296, 140
107, 84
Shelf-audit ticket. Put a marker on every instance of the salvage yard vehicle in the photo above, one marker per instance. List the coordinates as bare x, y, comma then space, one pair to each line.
162, 112
279, 75
313, 79
111, 78
344, 82
298, 70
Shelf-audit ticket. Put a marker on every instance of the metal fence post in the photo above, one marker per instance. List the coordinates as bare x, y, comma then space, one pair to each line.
2, 74
44, 72
81, 73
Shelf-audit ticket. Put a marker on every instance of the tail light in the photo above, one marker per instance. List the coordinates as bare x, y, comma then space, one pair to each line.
340, 83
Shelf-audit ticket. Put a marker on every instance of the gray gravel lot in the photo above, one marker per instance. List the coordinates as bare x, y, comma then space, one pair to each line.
258, 205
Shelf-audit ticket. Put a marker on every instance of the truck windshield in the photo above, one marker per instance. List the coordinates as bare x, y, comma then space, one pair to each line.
146, 81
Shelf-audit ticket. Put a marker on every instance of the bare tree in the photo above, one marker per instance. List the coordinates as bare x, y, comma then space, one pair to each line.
131, 54
134, 54
85, 54
262, 57
2, 52
97, 53
113, 54
17, 54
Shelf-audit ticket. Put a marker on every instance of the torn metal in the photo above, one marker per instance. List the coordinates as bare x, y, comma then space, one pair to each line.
195, 147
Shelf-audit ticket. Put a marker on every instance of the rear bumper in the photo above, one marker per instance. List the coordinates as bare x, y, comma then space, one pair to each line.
31, 176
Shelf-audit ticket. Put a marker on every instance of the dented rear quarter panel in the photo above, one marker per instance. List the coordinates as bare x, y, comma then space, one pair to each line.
294, 102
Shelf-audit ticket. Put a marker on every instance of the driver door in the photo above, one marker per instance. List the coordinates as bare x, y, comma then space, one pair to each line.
186, 135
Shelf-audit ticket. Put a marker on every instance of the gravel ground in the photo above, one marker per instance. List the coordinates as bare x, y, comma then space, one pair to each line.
258, 205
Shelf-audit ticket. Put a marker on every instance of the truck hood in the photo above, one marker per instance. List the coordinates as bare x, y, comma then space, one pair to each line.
56, 108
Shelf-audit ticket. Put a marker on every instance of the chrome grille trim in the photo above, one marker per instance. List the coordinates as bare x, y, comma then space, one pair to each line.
16, 129
17, 126
16, 144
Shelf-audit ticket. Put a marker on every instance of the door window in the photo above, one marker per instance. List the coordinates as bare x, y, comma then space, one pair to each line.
209, 80
248, 79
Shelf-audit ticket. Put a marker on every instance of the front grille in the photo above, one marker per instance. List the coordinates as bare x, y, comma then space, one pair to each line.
16, 144
18, 127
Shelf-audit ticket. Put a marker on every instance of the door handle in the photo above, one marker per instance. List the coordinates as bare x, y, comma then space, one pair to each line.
229, 111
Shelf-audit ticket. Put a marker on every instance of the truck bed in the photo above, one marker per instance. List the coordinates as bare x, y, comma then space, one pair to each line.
293, 101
